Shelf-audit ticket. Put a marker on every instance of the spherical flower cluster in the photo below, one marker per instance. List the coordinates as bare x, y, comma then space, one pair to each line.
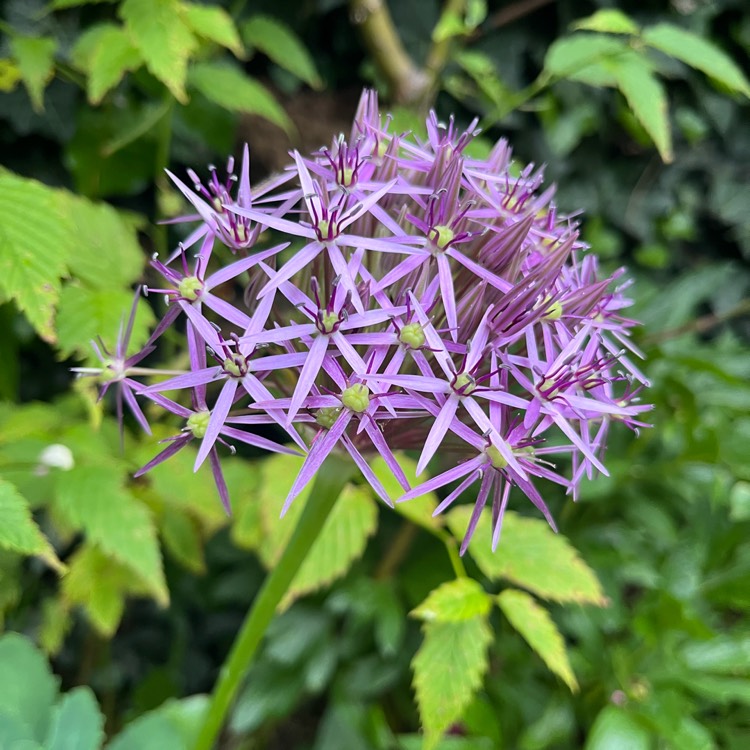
420, 299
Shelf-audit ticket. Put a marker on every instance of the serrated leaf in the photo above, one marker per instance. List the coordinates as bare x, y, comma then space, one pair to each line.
609, 20
84, 314
449, 668
99, 584
647, 99
28, 688
342, 540
280, 44
94, 500
18, 532
36, 240
226, 85
77, 723
419, 511
215, 24
454, 601
538, 629
36, 64
698, 53
572, 56
103, 234
105, 53
160, 33
531, 555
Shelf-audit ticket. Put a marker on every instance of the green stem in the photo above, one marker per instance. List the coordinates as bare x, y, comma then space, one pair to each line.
329, 483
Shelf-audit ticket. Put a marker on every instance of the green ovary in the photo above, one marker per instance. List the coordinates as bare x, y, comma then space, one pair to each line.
198, 423
234, 367
347, 175
190, 288
464, 384
328, 321
412, 335
356, 397
442, 236
327, 416
554, 313
496, 458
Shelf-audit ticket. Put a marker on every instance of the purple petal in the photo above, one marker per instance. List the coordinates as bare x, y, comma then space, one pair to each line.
367, 472
440, 427
216, 421
310, 371
168, 452
221, 484
318, 453
449, 296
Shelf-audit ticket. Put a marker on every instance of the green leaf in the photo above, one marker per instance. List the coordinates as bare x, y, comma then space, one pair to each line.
182, 539
609, 20
36, 240
279, 43
342, 540
105, 53
99, 585
226, 85
647, 98
151, 731
10, 75
175, 484
721, 655
448, 670
419, 511
615, 729
102, 232
28, 689
36, 64
93, 499
55, 624
698, 53
570, 57
215, 24
159, 31
536, 626
531, 555
455, 601
18, 532
85, 313
449, 25
77, 722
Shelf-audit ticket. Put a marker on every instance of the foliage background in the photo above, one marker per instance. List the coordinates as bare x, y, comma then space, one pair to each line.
156, 578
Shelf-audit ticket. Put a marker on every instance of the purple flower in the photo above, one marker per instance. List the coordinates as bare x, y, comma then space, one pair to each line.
432, 302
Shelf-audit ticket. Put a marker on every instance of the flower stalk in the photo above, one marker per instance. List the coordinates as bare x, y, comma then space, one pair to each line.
329, 482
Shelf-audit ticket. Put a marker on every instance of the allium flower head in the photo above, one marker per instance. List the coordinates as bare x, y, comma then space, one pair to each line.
424, 300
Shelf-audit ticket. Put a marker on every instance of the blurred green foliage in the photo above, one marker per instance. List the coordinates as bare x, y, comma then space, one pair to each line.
135, 589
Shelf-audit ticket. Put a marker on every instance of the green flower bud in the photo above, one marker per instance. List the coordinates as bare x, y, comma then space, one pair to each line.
412, 335
190, 288
327, 416
356, 397
198, 423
